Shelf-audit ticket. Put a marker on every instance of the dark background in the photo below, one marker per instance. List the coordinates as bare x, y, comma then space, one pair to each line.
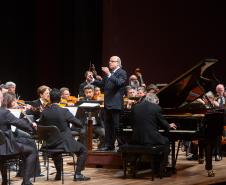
52, 42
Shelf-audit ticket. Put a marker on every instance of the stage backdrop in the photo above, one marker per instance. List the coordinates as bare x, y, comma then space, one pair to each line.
164, 38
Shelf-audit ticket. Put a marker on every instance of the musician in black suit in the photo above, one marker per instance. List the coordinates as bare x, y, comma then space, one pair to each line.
13, 146
39, 104
61, 118
113, 85
147, 119
87, 81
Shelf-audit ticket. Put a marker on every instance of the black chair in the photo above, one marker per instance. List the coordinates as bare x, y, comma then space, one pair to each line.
153, 152
7, 159
47, 134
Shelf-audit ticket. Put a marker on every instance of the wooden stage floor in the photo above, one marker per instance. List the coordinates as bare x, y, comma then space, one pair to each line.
188, 173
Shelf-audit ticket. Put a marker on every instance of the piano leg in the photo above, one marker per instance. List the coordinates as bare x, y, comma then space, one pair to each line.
173, 158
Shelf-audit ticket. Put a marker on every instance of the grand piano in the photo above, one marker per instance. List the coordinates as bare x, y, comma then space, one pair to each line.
194, 121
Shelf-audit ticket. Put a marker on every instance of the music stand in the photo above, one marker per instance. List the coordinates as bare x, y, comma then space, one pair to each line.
89, 108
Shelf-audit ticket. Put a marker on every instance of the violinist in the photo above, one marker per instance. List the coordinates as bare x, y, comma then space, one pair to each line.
66, 99
97, 94
39, 104
11, 86
131, 94
30, 155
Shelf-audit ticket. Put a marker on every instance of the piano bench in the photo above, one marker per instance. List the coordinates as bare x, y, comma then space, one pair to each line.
136, 152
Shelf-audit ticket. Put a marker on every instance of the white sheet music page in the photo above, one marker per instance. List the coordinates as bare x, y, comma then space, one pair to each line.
89, 105
73, 110
16, 113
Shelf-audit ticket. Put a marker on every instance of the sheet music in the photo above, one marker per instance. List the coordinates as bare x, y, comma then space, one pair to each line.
16, 113
89, 105
73, 110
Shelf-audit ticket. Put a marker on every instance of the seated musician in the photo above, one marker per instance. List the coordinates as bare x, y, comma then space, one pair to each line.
98, 126
131, 95
88, 81
10, 102
4, 88
97, 94
66, 99
134, 82
61, 118
39, 104
7, 119
147, 119
152, 88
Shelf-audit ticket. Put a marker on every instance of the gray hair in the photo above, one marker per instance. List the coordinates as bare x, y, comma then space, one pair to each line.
119, 62
8, 84
88, 87
152, 98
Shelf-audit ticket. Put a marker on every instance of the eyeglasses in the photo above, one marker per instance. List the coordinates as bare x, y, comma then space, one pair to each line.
112, 61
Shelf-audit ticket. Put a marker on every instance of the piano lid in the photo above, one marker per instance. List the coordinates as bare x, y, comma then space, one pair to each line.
187, 87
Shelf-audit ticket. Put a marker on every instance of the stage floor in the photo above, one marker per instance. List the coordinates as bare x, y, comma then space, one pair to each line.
188, 173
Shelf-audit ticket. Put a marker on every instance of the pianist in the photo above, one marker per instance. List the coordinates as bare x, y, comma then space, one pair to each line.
147, 119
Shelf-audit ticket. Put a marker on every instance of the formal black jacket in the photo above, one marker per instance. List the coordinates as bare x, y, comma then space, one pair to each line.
147, 119
6, 120
35, 111
61, 118
113, 89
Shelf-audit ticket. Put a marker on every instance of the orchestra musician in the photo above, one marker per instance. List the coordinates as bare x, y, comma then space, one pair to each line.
66, 99
134, 82
39, 104
114, 85
98, 126
29, 154
10, 102
61, 118
88, 81
97, 94
147, 119
11, 86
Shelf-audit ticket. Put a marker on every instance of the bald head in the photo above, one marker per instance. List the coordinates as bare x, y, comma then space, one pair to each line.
114, 62
220, 89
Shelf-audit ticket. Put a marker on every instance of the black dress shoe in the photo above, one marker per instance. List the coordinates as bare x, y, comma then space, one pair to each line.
81, 178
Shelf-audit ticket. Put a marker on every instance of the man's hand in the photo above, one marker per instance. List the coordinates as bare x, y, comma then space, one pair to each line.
106, 71
173, 126
98, 77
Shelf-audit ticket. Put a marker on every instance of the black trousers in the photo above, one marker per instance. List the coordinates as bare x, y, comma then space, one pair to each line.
29, 159
111, 124
81, 159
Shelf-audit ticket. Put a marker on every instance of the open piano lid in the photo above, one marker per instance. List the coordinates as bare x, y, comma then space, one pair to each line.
188, 87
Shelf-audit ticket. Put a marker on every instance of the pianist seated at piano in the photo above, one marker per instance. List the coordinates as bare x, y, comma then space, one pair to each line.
97, 118
147, 120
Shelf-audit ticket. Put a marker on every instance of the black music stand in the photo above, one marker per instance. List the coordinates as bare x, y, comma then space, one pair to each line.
90, 108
